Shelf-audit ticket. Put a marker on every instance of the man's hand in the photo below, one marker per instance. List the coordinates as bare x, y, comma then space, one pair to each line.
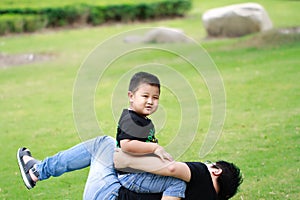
120, 159
162, 154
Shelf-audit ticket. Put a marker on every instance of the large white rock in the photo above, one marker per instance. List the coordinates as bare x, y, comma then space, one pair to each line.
236, 20
159, 35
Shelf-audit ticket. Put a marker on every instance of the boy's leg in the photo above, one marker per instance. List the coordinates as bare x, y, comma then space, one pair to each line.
151, 183
102, 182
75, 158
96, 152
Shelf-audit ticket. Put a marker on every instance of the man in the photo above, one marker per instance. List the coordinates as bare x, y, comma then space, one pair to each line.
208, 180
103, 184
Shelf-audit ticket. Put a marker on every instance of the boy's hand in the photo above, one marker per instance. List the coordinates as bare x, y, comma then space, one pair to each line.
160, 152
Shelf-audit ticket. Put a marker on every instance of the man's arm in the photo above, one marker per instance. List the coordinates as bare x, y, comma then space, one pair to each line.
152, 164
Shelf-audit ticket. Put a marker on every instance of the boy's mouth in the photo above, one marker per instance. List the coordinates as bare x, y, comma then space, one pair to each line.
148, 107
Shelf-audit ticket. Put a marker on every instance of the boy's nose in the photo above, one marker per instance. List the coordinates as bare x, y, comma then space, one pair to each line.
149, 101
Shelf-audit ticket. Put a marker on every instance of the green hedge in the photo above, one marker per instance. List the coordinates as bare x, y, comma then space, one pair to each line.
28, 19
17, 23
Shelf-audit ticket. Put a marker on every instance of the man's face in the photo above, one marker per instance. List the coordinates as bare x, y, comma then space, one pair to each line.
145, 99
215, 172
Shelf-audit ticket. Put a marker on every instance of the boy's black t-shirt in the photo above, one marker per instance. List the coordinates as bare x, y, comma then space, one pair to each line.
135, 127
200, 186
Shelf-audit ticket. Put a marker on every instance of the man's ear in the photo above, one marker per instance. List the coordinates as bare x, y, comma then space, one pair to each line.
217, 172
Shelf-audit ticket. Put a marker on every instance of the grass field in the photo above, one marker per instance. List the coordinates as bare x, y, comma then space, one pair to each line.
261, 133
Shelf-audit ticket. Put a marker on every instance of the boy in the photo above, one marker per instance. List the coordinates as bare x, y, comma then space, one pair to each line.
136, 135
144, 95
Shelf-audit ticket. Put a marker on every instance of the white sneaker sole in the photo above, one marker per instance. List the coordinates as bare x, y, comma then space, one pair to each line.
24, 177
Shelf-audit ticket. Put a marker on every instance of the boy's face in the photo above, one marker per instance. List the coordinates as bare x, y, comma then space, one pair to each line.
144, 100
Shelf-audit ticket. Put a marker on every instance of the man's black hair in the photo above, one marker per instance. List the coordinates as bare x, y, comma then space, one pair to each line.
229, 180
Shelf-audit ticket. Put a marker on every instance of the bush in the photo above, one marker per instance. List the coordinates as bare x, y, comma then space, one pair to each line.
182, 7
4, 28
34, 22
17, 23
127, 13
76, 13
28, 19
55, 16
145, 11
11, 23
96, 15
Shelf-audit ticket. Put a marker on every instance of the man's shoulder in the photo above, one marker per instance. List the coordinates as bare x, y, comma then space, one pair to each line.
201, 184
199, 166
198, 170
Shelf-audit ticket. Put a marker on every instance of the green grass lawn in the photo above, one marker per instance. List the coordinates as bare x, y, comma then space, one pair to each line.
261, 133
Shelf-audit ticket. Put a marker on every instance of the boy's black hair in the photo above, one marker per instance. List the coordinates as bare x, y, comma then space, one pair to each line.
143, 77
229, 180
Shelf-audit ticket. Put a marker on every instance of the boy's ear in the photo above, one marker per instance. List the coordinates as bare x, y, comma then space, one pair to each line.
130, 96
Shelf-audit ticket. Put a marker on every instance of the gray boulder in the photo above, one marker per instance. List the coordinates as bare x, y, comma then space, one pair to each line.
159, 35
236, 20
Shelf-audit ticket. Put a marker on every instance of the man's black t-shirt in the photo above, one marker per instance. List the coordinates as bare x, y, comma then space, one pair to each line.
200, 186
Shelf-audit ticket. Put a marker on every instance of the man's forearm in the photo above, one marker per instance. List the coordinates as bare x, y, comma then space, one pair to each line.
152, 164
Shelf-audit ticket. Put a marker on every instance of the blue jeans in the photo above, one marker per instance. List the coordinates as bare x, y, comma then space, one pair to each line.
151, 183
102, 182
